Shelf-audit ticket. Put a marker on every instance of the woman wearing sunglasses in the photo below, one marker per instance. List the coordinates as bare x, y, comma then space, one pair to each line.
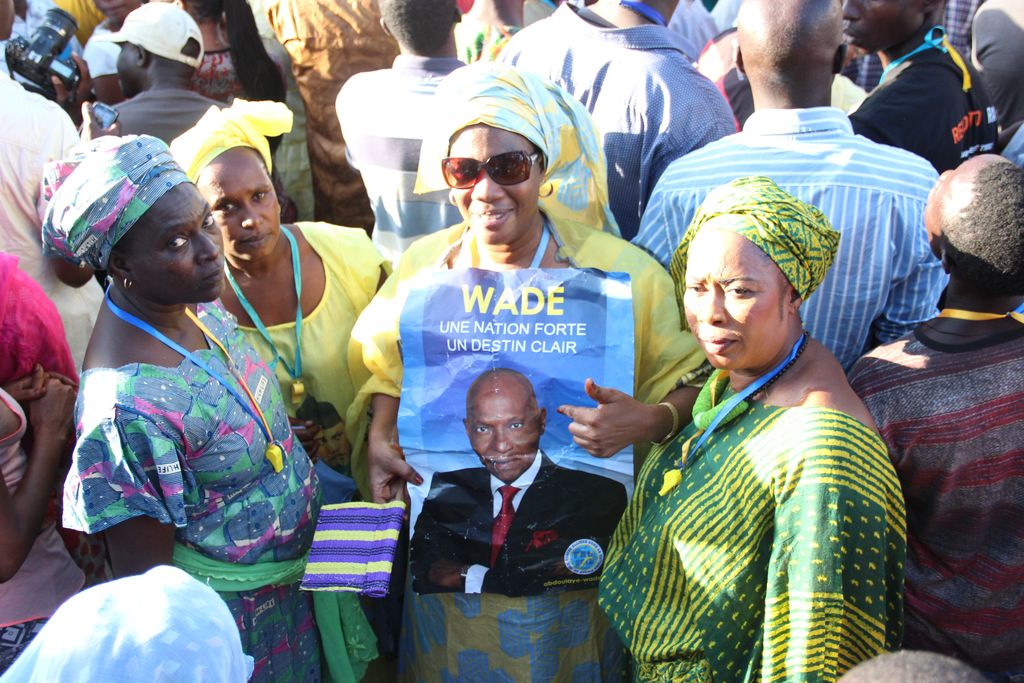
526, 170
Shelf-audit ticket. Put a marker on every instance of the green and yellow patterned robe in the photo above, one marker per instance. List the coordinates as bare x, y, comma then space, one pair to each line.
779, 557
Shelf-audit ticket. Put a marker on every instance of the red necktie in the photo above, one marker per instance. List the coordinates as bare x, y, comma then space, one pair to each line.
503, 521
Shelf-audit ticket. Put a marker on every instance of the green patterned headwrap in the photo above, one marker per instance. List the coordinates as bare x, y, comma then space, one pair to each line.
795, 235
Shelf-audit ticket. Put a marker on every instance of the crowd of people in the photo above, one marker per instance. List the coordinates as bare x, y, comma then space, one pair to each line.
817, 207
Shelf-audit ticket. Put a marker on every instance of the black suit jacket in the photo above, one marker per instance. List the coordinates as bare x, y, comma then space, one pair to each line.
560, 507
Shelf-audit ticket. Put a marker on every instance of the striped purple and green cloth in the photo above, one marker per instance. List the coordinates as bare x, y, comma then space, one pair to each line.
354, 548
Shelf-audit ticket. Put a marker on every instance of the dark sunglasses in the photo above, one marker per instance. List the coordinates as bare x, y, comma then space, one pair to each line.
510, 168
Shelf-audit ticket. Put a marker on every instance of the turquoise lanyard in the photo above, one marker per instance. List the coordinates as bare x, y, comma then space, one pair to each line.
274, 448
749, 390
295, 372
931, 41
545, 237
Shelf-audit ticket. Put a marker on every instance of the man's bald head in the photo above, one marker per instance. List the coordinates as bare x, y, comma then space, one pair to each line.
498, 380
975, 222
503, 422
790, 48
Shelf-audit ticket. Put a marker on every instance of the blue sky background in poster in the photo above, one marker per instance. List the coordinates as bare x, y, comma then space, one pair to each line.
449, 338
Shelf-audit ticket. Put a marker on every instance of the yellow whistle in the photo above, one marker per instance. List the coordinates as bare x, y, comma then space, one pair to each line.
672, 479
298, 392
276, 456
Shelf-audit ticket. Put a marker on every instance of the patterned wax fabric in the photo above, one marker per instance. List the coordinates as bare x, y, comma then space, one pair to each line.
778, 558
352, 266
243, 124
354, 548
98, 193
279, 632
216, 77
548, 637
562, 129
15, 639
159, 627
953, 417
174, 445
795, 235
491, 637
476, 41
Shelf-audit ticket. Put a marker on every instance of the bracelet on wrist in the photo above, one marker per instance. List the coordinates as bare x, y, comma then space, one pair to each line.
675, 423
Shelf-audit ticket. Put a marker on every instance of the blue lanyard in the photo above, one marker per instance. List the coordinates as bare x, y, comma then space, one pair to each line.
747, 391
1019, 309
931, 41
646, 11
294, 371
258, 417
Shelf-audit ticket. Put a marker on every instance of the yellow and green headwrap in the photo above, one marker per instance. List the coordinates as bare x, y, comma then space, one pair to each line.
795, 235
243, 124
562, 129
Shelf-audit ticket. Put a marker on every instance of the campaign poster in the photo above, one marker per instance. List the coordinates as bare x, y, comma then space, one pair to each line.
509, 503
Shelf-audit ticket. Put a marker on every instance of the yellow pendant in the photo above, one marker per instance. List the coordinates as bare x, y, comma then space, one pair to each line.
276, 456
672, 479
298, 392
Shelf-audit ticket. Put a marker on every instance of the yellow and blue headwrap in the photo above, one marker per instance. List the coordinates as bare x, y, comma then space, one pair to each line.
498, 95
243, 124
795, 235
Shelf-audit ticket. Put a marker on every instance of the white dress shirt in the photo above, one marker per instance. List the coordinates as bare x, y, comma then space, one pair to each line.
475, 574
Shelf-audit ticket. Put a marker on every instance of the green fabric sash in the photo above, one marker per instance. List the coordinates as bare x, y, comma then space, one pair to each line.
347, 642
230, 576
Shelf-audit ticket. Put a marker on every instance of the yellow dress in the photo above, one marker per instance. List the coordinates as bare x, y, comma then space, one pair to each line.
551, 637
352, 266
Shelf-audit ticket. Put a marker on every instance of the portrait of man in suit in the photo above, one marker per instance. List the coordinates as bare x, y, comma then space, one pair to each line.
519, 524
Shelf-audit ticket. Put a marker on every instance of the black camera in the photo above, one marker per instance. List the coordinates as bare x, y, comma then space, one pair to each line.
37, 60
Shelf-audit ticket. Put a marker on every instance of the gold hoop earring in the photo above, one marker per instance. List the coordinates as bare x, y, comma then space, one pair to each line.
127, 283
551, 189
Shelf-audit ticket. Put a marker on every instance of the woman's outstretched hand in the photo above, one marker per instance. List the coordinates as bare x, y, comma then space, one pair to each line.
617, 421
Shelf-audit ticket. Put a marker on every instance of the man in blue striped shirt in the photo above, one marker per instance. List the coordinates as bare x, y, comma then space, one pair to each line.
885, 279
383, 115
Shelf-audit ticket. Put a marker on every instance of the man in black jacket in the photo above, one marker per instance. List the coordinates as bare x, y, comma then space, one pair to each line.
519, 525
930, 100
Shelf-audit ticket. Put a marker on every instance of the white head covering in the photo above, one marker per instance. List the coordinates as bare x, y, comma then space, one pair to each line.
160, 627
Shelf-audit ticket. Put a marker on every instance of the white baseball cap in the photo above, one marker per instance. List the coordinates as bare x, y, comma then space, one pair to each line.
161, 28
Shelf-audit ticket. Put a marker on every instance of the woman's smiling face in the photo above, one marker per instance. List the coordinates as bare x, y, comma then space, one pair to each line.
497, 214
